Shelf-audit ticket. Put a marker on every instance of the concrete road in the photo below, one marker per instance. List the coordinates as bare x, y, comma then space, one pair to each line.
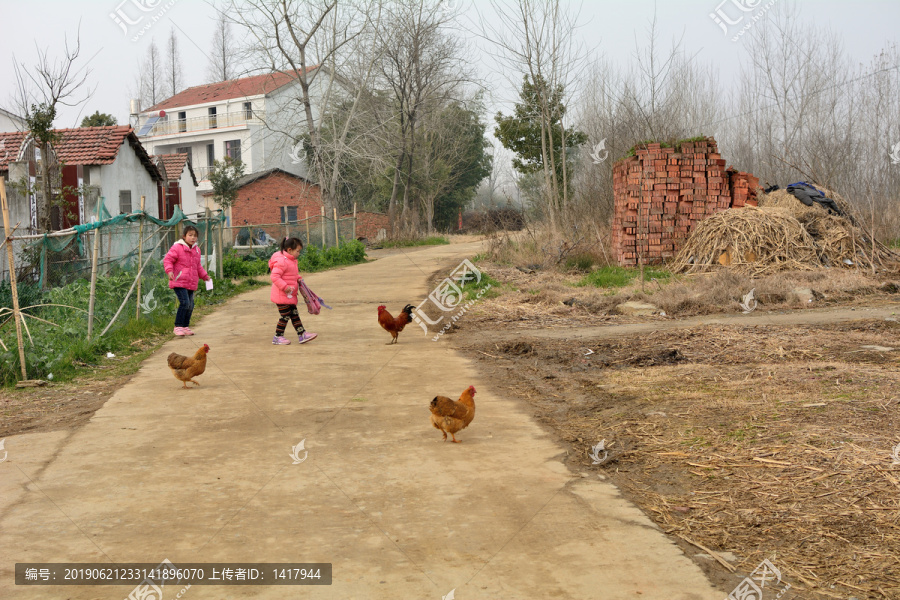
206, 475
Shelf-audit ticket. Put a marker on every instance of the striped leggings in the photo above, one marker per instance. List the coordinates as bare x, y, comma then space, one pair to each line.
288, 311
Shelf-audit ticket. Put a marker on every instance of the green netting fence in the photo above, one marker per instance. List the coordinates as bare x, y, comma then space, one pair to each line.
87, 281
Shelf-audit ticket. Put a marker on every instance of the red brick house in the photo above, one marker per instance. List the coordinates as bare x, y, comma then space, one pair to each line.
274, 196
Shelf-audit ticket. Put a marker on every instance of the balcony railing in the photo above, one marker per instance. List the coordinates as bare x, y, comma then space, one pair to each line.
205, 123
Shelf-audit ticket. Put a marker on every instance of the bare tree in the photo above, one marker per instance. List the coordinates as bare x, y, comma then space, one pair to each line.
174, 77
41, 89
326, 46
152, 81
223, 56
536, 38
421, 67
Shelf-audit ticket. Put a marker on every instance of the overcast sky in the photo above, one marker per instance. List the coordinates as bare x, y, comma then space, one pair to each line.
609, 28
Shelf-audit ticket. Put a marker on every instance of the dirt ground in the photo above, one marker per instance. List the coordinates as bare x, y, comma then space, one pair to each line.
743, 441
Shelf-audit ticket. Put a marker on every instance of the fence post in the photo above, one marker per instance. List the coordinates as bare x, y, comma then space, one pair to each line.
354, 220
17, 316
206, 236
220, 264
137, 305
337, 236
307, 228
96, 252
323, 227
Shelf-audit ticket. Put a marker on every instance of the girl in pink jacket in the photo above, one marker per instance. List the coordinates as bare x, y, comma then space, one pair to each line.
285, 289
182, 264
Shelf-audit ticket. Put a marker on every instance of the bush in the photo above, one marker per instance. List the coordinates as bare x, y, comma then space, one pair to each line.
403, 243
495, 219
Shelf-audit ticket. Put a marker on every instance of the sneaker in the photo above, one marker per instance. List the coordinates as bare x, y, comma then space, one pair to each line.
179, 331
187, 331
306, 336
280, 340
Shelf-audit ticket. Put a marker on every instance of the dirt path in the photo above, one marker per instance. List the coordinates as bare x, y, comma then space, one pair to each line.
801, 317
206, 475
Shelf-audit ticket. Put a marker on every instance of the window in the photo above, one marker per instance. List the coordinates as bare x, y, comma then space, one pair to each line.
288, 214
184, 150
210, 154
248, 110
211, 111
124, 201
182, 121
233, 149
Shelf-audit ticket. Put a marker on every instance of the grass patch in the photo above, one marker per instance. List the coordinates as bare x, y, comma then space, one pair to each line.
405, 243
488, 287
64, 350
613, 277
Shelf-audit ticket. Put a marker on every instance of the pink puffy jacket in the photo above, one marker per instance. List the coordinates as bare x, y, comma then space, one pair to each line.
184, 262
284, 274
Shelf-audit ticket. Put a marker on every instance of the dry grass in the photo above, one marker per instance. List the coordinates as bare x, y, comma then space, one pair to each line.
782, 234
545, 297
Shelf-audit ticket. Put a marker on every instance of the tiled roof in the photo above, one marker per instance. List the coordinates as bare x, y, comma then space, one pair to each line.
174, 165
226, 90
10, 146
100, 146
251, 177
91, 145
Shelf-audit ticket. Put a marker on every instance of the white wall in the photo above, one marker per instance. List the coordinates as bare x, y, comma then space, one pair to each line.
14, 123
189, 198
126, 173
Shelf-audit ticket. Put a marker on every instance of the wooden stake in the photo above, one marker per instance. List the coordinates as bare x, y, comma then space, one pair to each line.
323, 227
220, 264
137, 304
354, 220
96, 253
12, 277
307, 227
337, 237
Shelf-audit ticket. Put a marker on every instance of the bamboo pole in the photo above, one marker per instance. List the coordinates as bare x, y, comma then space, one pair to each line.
307, 227
220, 264
323, 227
137, 304
12, 278
206, 236
94, 256
337, 236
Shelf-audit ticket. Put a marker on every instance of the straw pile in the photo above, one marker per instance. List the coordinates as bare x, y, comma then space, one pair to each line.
781, 234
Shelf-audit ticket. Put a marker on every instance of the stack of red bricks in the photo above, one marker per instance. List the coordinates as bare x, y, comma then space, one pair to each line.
662, 193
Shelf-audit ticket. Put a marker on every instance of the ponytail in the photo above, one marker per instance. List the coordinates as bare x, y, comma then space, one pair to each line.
291, 243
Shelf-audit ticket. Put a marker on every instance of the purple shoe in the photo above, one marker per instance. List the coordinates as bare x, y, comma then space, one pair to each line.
280, 340
306, 337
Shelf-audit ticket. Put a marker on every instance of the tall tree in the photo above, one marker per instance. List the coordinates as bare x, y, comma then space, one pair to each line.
534, 138
325, 45
422, 68
98, 119
151, 76
41, 88
536, 39
174, 79
223, 56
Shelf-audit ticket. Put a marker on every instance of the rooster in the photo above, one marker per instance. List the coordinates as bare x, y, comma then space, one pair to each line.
185, 369
450, 416
394, 325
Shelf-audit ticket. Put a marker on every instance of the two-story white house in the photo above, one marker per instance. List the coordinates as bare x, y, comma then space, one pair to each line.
255, 119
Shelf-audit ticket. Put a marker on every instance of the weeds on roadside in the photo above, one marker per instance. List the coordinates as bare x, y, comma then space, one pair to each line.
404, 243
